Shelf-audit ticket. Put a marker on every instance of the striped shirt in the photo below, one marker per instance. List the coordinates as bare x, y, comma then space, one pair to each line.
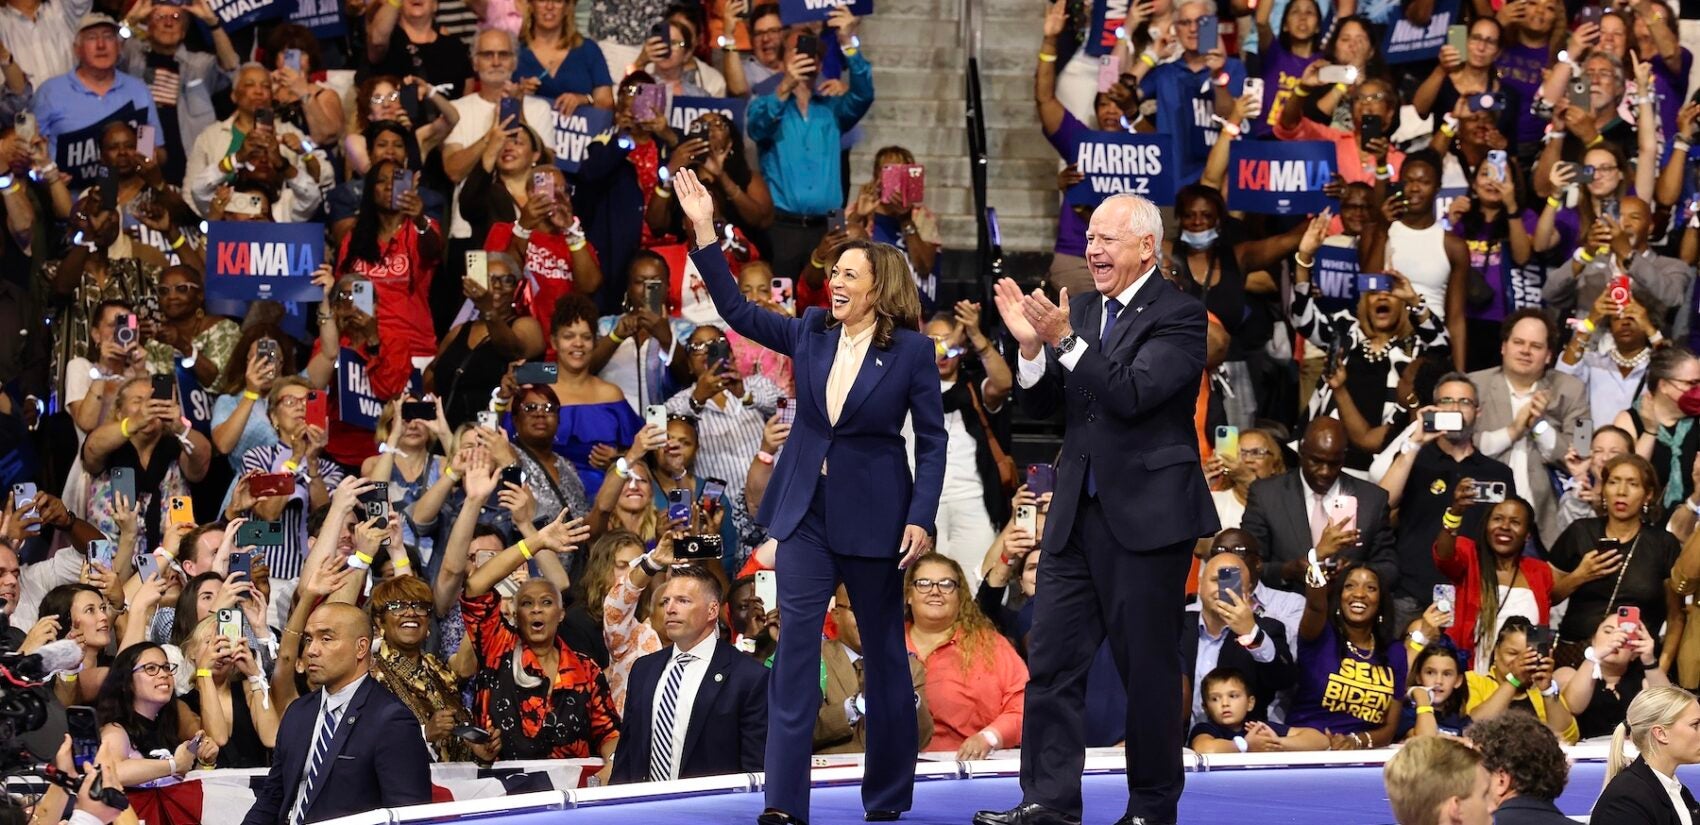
42, 46
285, 560
456, 19
728, 437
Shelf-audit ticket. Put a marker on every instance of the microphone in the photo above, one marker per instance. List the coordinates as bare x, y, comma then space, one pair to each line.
63, 656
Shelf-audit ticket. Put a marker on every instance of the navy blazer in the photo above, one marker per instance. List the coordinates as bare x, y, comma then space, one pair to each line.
728, 728
1529, 810
870, 494
1266, 678
1635, 797
1129, 405
376, 760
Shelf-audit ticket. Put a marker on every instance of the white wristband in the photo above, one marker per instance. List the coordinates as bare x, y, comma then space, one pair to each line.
1239, 742
992, 737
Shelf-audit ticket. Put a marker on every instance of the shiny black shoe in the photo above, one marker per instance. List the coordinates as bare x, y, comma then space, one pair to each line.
881, 816
774, 817
1030, 813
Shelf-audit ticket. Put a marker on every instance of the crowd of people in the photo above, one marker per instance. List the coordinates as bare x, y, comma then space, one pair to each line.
544, 499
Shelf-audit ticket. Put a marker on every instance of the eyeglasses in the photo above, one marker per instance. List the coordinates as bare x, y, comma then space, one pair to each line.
289, 401
1372, 97
1254, 452
678, 44
1240, 550
504, 280
500, 55
1485, 40
1605, 167
1455, 402
181, 289
154, 668
945, 586
406, 607
379, 100
168, 15
700, 347
1186, 24
770, 32
538, 407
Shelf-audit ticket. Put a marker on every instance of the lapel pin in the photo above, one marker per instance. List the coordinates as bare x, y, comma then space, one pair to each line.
719, 677
878, 362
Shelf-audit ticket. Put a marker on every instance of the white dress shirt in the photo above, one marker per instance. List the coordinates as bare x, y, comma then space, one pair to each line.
847, 360
1030, 371
337, 703
1514, 453
688, 686
1673, 788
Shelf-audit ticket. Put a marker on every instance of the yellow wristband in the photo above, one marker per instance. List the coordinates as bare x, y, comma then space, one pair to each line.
1585, 255
67, 677
662, 191
816, 262
1554, 202
1148, 59
1047, 58
291, 466
1342, 88
124, 427
250, 395
178, 244
574, 247
1447, 130
227, 165
1598, 139
402, 563
1588, 325
202, 673
1428, 709
450, 472
1414, 647
1451, 522
1301, 91
363, 558
615, 337
524, 550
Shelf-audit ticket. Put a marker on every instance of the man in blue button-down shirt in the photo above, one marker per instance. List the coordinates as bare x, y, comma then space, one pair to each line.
798, 134
92, 92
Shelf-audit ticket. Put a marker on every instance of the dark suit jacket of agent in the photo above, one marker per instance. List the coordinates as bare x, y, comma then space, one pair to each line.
1635, 797
728, 727
1276, 513
869, 493
376, 760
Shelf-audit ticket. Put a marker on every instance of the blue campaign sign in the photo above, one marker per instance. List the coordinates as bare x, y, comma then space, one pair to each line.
274, 261
324, 17
1408, 42
574, 132
197, 402
1334, 279
77, 152
684, 111
240, 14
356, 405
1115, 162
1279, 178
792, 12
1107, 16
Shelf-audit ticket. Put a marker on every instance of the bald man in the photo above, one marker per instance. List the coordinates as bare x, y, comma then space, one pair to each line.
326, 763
1317, 509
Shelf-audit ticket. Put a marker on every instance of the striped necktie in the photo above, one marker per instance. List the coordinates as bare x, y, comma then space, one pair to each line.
661, 748
315, 761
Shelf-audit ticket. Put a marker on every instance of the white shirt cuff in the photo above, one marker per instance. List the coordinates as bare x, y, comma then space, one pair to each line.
1029, 371
1072, 357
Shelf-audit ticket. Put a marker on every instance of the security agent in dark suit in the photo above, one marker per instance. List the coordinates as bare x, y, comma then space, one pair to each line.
348, 747
1526, 767
1664, 723
1289, 514
1233, 632
697, 707
1124, 365
842, 502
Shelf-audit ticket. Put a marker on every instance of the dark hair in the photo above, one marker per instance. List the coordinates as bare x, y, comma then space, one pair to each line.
1374, 68
363, 239
573, 307
1488, 615
183, 623
1456, 377
1422, 157
100, 311
1222, 675
1513, 624
897, 302
1200, 192
233, 378
115, 704
1653, 514
394, 127
715, 585
1381, 627
696, 15
1618, 431
1512, 320
1475, 222
59, 601
762, 10
1526, 750
1286, 40
651, 256
1454, 704
294, 36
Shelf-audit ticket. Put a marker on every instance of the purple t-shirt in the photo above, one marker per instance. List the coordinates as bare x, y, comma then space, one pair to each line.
1514, 287
1071, 228
1673, 92
1281, 73
1341, 692
1520, 68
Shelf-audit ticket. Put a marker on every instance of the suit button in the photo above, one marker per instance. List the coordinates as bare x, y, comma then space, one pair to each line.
1091, 417
1082, 456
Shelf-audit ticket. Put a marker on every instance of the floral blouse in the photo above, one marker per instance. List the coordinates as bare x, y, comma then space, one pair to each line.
214, 343
628, 639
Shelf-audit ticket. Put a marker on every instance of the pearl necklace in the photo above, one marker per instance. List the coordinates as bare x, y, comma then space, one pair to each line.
1631, 362
1361, 654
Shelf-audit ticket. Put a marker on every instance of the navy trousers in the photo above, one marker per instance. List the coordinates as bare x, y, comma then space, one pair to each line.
808, 573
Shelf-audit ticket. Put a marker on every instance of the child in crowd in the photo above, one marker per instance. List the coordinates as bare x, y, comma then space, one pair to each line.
1228, 700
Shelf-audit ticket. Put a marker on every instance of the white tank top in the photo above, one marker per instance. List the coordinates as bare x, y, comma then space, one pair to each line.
1420, 256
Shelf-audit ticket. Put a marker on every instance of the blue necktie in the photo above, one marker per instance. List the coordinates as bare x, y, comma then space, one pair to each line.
327, 731
1112, 308
661, 747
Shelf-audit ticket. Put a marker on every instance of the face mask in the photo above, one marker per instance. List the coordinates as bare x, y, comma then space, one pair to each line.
1199, 240
1689, 403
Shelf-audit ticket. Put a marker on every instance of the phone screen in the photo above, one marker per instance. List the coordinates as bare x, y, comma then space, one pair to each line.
84, 726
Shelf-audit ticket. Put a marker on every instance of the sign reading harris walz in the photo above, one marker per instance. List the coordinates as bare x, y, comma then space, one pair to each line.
1279, 178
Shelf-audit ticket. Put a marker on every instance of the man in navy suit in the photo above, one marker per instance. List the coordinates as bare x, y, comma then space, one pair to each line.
349, 747
697, 707
1124, 365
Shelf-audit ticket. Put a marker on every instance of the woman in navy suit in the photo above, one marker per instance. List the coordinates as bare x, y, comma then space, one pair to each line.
1664, 723
842, 502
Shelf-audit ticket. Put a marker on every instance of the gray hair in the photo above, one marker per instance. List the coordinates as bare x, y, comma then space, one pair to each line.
1181, 4
1456, 377
1143, 216
506, 260
513, 42
1616, 65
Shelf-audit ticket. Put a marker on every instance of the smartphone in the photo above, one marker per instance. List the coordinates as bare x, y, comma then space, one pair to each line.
145, 143
1110, 72
655, 415
1445, 598
1458, 37
678, 505
1374, 282
268, 350
1208, 36
536, 372
787, 408
648, 101
1498, 160
1042, 478
181, 510
891, 183
108, 191
1580, 95
1230, 578
377, 501
1607, 544
230, 623
147, 566
511, 474
698, 548
103, 552
1583, 435
84, 727
401, 183
472, 733
259, 534
508, 112
663, 32
489, 419
1489, 492
809, 44
1541, 639
781, 291
1228, 442
543, 185
318, 410
292, 59
1254, 87
1343, 507
655, 296
24, 126
1628, 618
914, 183
245, 203
719, 352
713, 489
1589, 14
411, 100
242, 564
835, 220
1443, 421
418, 411
125, 330
164, 387
265, 118
124, 483
1619, 289
1370, 127
1486, 102
272, 484
1584, 174
767, 589
362, 297
1338, 74
1027, 518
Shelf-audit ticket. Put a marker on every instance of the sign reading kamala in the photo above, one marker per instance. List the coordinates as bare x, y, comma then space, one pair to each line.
1408, 42
685, 110
574, 132
1335, 278
1279, 178
1107, 16
792, 12
1116, 162
265, 261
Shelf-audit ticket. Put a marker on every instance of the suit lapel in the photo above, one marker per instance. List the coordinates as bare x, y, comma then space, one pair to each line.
1298, 511
1093, 322
344, 730
874, 368
712, 681
820, 365
1131, 314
